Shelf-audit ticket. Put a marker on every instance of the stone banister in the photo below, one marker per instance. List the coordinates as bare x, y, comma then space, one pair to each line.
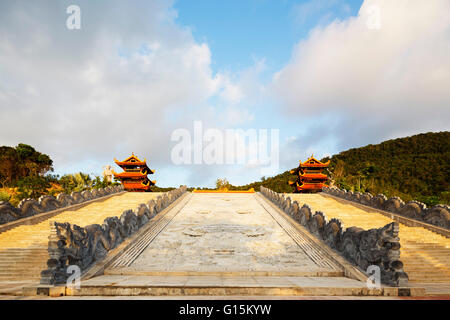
363, 248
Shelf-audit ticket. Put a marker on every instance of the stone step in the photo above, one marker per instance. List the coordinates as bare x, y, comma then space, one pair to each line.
23, 267
418, 268
443, 251
430, 272
419, 282
108, 285
422, 275
24, 259
22, 251
429, 266
19, 279
26, 249
424, 261
422, 251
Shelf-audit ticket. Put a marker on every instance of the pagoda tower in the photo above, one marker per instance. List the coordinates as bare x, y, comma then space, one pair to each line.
134, 177
309, 176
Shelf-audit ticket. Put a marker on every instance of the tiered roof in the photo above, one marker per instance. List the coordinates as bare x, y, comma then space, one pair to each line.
309, 175
134, 177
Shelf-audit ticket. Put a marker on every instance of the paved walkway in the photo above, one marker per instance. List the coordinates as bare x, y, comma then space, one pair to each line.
225, 233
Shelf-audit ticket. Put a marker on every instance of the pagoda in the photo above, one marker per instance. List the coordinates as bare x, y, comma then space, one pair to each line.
309, 176
134, 175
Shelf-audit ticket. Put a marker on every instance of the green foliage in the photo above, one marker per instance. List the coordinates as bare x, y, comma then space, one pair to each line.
429, 200
76, 182
222, 184
100, 182
162, 189
416, 167
20, 162
278, 183
32, 187
4, 196
444, 197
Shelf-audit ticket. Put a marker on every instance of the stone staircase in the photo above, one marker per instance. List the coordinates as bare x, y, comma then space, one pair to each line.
22, 265
425, 254
23, 249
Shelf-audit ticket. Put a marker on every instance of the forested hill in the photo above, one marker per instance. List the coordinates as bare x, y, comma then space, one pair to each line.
416, 167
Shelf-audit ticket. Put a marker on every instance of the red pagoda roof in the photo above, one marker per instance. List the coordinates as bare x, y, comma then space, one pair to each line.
314, 163
311, 186
314, 176
131, 175
132, 161
136, 186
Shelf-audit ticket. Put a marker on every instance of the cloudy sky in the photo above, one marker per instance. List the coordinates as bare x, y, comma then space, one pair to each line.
329, 74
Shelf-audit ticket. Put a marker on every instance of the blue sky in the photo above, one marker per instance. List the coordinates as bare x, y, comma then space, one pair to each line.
240, 31
328, 74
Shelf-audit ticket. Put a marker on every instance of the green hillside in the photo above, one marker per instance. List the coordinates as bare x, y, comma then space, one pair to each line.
416, 167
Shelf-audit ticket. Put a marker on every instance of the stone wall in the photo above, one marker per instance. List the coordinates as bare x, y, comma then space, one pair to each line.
46, 203
72, 245
362, 248
439, 215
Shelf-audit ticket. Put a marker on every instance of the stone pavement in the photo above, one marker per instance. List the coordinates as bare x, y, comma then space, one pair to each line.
224, 233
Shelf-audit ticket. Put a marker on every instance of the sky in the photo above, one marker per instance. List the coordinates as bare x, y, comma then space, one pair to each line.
329, 75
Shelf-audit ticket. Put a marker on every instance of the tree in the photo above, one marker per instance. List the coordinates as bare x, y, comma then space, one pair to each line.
8, 165
20, 162
32, 187
222, 184
76, 182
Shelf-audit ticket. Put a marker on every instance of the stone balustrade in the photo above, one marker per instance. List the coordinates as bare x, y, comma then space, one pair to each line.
30, 207
362, 248
72, 245
438, 215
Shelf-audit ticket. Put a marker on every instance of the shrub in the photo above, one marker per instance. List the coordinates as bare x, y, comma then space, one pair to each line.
32, 187
4, 196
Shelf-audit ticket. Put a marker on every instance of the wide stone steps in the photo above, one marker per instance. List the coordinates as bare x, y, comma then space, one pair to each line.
117, 285
23, 249
425, 254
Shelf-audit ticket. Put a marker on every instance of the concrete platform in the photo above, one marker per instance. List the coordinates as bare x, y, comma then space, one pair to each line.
225, 233
116, 285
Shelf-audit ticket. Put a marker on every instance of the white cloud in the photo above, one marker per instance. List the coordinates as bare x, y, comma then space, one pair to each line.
103, 91
382, 82
304, 12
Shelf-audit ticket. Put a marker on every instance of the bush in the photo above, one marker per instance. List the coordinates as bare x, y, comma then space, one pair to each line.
444, 197
32, 187
429, 200
4, 196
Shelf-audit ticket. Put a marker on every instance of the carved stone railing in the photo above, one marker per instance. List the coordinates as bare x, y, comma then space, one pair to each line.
73, 245
363, 248
438, 215
30, 207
